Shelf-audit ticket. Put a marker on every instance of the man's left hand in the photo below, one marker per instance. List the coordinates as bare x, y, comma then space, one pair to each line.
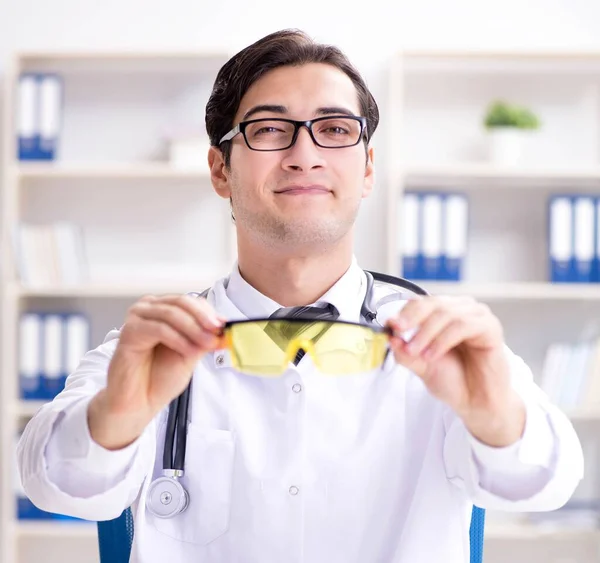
458, 352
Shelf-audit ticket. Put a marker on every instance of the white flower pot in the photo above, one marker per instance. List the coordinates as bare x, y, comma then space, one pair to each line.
506, 145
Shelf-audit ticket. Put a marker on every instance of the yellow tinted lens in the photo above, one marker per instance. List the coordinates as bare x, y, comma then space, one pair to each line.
253, 351
347, 349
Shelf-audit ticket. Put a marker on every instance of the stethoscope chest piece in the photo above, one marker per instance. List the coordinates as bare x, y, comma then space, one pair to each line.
166, 497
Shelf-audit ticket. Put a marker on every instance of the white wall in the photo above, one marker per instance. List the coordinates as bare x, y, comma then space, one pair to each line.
368, 31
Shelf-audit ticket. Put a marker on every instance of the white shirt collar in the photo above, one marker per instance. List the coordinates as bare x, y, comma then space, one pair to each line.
346, 295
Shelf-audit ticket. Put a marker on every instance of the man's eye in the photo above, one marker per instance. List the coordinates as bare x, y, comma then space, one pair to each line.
266, 130
336, 130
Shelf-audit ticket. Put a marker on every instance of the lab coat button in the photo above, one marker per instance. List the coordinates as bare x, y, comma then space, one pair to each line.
296, 388
220, 359
294, 490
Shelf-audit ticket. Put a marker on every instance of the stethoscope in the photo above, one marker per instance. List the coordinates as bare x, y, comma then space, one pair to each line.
167, 497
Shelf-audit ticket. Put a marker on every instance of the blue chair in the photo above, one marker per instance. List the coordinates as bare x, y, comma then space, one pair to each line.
115, 537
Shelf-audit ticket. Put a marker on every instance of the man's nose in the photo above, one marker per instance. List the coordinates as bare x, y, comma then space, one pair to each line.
304, 153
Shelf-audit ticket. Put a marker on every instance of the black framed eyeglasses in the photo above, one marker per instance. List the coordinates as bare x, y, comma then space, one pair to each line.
277, 134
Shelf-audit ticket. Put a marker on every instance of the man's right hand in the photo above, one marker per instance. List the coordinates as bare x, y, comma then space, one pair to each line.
159, 345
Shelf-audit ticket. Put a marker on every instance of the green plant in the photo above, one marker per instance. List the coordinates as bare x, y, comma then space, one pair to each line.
504, 114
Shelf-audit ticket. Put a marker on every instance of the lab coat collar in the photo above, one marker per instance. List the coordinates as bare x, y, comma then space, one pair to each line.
345, 295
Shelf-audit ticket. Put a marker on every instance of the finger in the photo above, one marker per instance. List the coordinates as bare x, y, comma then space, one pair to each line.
413, 313
176, 318
199, 308
455, 334
429, 330
414, 363
166, 335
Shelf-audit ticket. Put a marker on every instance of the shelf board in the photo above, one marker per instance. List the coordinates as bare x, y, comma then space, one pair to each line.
525, 531
28, 408
108, 171
114, 290
130, 62
509, 291
86, 55
494, 61
55, 529
582, 414
485, 175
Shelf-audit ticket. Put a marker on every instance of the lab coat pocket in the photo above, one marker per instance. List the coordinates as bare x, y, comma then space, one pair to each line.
208, 480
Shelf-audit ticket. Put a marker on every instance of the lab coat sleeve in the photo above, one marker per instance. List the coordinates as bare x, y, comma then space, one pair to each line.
539, 472
62, 469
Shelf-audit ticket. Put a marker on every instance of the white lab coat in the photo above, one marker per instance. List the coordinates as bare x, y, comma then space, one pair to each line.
303, 468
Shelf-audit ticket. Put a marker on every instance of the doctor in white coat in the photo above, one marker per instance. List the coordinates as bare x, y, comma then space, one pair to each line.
381, 466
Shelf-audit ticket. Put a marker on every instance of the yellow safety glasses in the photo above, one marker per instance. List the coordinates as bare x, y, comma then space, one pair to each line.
264, 347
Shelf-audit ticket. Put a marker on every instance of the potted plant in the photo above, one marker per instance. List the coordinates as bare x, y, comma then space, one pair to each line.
507, 124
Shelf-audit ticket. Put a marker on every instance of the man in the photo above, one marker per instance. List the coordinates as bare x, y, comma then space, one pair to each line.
380, 466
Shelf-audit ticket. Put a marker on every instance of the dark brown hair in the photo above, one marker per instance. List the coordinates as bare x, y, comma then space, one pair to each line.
289, 47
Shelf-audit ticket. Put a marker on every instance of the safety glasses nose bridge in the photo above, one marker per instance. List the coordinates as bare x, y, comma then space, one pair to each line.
295, 345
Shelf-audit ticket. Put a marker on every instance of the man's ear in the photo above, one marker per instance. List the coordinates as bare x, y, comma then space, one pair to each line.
369, 182
219, 175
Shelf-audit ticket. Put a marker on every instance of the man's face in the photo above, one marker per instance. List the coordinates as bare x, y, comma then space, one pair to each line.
304, 195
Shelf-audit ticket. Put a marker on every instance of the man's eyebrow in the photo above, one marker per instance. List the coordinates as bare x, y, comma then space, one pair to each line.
282, 110
272, 108
335, 110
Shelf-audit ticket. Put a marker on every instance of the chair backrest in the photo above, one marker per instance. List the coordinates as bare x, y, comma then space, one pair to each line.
476, 534
116, 536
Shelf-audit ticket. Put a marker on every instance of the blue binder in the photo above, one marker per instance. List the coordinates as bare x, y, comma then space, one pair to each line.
409, 236
583, 238
596, 261
30, 356
50, 112
76, 338
28, 117
53, 380
40, 105
431, 236
455, 234
560, 239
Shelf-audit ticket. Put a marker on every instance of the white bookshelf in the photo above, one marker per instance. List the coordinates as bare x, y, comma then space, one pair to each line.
113, 160
436, 142
132, 168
